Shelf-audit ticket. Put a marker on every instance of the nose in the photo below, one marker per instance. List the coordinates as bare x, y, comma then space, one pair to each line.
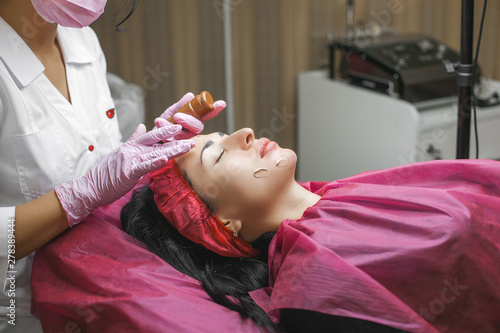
243, 138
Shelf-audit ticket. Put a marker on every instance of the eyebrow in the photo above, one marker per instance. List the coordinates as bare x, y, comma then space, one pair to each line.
207, 145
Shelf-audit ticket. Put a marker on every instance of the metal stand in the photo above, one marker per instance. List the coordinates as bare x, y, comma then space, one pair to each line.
465, 80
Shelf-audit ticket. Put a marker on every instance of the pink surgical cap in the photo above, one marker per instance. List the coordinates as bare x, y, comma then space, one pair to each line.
187, 212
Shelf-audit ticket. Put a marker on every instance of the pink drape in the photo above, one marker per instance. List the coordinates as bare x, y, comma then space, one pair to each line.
415, 247
96, 278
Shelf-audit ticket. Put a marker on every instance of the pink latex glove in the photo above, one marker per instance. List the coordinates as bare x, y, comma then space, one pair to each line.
191, 125
120, 170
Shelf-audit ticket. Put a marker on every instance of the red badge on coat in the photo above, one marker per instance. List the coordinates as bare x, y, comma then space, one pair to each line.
110, 113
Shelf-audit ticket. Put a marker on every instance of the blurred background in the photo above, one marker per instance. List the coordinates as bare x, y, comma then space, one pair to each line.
170, 47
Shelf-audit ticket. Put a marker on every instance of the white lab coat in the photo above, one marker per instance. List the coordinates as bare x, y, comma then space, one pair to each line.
44, 139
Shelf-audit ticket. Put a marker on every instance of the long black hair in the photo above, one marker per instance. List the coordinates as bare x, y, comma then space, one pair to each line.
226, 280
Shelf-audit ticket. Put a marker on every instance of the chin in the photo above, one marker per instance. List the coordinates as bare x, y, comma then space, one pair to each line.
291, 157
287, 169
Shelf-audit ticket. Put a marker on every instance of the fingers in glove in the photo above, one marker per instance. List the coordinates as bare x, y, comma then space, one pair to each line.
169, 149
175, 107
218, 107
172, 143
158, 157
184, 134
161, 122
189, 123
143, 168
140, 130
159, 134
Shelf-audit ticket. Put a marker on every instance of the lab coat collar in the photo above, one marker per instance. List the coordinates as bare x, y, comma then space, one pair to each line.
72, 48
21, 62
24, 65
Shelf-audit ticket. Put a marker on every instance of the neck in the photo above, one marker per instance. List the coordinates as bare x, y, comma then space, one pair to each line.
292, 205
39, 35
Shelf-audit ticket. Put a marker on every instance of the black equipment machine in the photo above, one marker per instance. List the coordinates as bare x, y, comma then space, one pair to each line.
415, 68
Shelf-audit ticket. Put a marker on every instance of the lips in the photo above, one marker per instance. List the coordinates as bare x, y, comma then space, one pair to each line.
265, 146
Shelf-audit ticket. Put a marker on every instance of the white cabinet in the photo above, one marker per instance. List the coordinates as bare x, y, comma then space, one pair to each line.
344, 130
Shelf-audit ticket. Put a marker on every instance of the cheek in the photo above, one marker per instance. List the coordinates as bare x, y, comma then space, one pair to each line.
223, 183
237, 167
250, 193
234, 182
239, 189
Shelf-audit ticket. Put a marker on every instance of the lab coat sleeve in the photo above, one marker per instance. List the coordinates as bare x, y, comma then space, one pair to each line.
6, 214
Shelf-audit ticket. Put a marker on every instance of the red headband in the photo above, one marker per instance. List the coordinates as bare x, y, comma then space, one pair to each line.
185, 210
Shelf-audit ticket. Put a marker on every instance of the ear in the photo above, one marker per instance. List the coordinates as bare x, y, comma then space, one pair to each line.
232, 224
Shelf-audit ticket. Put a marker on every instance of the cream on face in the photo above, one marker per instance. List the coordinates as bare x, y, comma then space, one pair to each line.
261, 173
282, 162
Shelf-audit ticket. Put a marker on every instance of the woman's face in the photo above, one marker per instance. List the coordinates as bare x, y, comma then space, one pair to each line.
241, 176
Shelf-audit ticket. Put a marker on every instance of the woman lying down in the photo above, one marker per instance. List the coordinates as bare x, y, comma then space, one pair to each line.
414, 248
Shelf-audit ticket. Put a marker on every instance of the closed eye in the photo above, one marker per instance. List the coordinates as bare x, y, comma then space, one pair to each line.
208, 144
221, 134
220, 156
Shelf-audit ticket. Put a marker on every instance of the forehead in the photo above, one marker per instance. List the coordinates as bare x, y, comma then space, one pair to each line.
192, 158
200, 140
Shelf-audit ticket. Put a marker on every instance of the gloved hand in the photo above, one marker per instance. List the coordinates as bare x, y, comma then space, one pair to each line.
120, 171
191, 125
